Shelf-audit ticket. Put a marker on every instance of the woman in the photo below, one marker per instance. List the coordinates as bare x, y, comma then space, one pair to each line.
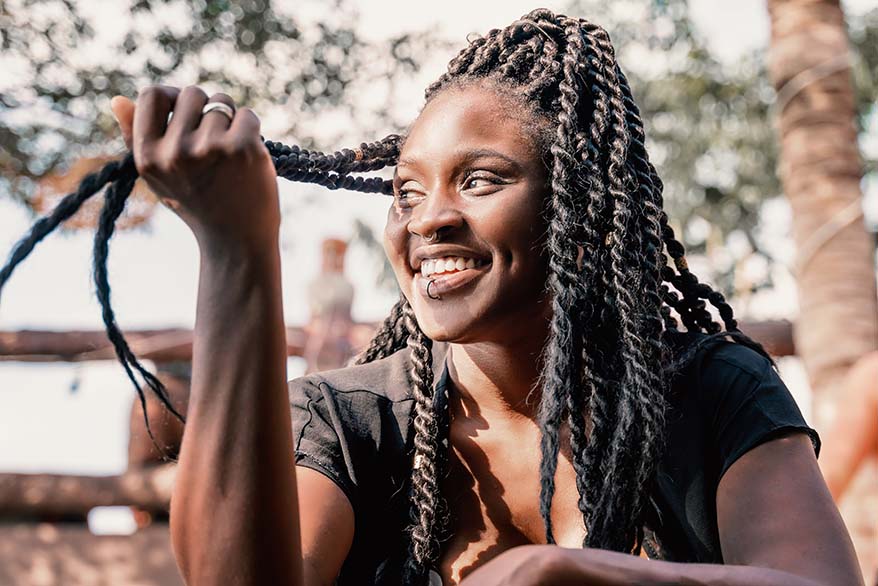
560, 406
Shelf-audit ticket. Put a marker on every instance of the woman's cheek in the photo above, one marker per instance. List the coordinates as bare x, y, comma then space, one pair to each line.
396, 244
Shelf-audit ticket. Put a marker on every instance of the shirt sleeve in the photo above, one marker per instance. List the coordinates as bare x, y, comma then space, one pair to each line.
319, 439
748, 403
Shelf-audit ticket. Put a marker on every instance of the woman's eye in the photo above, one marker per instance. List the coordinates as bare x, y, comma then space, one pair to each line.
402, 198
479, 182
476, 182
406, 197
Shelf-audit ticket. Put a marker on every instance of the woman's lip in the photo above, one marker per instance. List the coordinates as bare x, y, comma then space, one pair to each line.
446, 283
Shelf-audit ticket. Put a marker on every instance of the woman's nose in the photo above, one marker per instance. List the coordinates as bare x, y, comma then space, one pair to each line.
439, 212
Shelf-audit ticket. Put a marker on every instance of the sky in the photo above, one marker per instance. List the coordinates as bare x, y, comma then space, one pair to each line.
73, 418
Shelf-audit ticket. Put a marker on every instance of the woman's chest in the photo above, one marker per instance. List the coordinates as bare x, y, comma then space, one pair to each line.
493, 495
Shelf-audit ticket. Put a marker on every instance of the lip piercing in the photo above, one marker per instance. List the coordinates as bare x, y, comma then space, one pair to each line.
430, 295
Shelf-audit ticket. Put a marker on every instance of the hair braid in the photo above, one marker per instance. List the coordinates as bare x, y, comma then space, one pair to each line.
114, 203
69, 205
622, 282
599, 304
560, 368
652, 197
427, 501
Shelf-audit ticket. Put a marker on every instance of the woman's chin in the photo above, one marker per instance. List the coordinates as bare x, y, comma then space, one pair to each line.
441, 329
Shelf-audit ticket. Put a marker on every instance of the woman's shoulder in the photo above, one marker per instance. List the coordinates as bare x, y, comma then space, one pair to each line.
386, 379
717, 361
351, 424
734, 392
714, 376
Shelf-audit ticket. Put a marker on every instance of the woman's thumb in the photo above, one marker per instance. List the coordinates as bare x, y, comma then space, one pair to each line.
123, 110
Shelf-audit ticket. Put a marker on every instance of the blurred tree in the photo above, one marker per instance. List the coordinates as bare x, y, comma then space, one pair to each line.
821, 171
709, 126
64, 59
707, 120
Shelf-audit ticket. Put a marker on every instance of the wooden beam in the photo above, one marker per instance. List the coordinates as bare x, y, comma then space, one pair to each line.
167, 345
175, 345
775, 335
51, 495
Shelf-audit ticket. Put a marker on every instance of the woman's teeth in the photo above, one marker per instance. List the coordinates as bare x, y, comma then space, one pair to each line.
436, 266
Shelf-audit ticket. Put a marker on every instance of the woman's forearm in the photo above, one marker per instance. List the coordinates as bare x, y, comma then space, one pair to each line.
595, 567
234, 517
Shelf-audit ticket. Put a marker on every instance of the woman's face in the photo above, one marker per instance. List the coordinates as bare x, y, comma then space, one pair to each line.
470, 174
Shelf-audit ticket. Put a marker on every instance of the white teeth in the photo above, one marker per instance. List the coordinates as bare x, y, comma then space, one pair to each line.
446, 265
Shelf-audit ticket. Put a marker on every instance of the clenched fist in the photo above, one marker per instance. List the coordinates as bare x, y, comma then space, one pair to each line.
215, 173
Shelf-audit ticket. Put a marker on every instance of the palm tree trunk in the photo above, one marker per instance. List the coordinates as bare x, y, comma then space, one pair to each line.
820, 168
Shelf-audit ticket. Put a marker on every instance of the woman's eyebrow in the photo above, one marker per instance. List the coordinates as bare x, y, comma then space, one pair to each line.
467, 156
474, 154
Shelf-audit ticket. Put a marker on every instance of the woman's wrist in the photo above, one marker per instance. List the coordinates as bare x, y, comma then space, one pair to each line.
548, 564
219, 247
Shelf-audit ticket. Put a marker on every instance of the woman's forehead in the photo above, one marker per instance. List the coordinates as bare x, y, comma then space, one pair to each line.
469, 119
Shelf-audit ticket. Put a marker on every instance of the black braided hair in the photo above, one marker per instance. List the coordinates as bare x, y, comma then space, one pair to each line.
428, 518
618, 304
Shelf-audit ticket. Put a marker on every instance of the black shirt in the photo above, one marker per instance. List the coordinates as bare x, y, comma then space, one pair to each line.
354, 426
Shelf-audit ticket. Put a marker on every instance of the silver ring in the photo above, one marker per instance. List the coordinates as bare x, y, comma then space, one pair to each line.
431, 238
430, 295
220, 107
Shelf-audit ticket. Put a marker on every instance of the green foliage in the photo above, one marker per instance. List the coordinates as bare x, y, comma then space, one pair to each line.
864, 39
65, 59
710, 124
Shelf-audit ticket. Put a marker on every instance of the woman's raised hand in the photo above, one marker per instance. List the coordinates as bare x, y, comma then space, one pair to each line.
215, 173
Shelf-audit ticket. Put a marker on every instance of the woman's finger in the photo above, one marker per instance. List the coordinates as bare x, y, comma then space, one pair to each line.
245, 127
187, 112
215, 123
154, 104
123, 110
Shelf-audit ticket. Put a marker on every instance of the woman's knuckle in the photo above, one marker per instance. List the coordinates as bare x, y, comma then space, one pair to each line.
222, 97
150, 91
255, 144
231, 145
203, 150
193, 91
154, 93
176, 152
149, 168
145, 160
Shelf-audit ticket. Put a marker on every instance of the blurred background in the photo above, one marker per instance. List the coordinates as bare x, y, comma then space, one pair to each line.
761, 118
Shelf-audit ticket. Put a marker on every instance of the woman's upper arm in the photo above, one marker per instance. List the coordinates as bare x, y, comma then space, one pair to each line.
774, 511
326, 519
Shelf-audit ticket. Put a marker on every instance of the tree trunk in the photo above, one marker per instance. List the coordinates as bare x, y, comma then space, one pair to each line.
820, 168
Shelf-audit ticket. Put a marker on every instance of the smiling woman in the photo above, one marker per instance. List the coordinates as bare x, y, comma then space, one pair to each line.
549, 395
474, 182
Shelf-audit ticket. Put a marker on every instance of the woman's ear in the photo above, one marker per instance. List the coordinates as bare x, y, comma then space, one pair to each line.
123, 110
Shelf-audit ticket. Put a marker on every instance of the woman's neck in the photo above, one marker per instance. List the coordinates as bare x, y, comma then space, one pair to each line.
497, 379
